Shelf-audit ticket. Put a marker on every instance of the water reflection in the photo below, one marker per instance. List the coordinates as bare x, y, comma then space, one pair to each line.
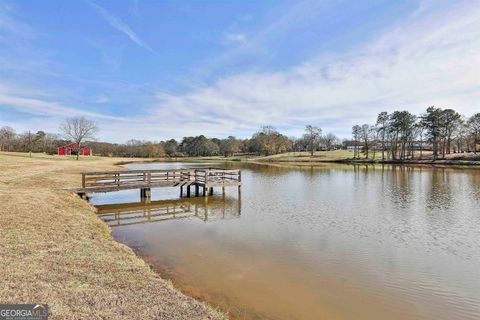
328, 242
206, 209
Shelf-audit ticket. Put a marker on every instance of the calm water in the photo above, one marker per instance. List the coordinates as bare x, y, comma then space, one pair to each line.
336, 242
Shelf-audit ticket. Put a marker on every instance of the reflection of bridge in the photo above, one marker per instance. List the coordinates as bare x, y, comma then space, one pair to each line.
205, 178
164, 210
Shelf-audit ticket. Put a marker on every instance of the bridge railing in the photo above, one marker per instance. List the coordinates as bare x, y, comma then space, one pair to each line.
216, 176
146, 178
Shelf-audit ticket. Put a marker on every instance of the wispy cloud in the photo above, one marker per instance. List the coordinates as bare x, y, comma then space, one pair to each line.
28, 103
433, 57
430, 57
11, 25
235, 37
101, 100
121, 26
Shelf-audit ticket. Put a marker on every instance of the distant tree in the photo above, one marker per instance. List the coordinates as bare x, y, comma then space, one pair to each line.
78, 129
269, 141
419, 132
451, 121
312, 138
474, 125
299, 144
7, 136
356, 133
401, 127
432, 122
199, 146
460, 136
170, 147
330, 140
365, 136
382, 127
229, 146
153, 150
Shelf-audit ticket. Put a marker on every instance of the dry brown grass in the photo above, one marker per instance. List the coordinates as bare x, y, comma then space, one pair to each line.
55, 250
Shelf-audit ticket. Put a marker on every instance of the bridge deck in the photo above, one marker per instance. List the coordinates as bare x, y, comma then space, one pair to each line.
206, 178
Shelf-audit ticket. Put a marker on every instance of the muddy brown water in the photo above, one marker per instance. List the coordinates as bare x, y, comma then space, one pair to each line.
334, 242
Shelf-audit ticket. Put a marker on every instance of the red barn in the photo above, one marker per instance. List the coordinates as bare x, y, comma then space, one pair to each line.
72, 149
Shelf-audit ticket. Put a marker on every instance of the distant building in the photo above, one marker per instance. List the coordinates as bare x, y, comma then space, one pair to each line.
72, 149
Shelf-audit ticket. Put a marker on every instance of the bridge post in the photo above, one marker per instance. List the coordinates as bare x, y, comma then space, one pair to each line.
188, 192
205, 186
145, 195
240, 185
211, 191
181, 191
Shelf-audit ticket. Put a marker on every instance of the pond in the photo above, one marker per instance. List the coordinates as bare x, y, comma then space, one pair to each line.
328, 242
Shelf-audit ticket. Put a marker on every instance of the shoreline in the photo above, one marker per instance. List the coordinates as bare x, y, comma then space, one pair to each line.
443, 163
56, 250
440, 162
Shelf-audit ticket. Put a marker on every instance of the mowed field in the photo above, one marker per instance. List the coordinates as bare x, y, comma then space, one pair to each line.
426, 157
55, 250
304, 156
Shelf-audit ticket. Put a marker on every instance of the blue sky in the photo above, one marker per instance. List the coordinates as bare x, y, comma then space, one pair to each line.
161, 69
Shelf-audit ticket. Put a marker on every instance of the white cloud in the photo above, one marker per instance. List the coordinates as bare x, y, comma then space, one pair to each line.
121, 26
235, 37
39, 106
101, 100
430, 58
433, 57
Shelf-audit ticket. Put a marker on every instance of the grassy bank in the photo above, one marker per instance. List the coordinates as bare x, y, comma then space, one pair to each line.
344, 156
55, 250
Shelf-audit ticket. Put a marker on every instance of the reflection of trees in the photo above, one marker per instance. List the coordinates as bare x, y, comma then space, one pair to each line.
475, 185
207, 209
400, 185
400, 182
439, 195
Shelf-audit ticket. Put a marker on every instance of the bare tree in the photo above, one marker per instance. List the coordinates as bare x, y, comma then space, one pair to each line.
7, 135
451, 121
312, 137
330, 140
77, 130
356, 131
365, 136
474, 124
382, 127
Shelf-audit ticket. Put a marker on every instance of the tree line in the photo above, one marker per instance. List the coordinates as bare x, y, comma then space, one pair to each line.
402, 135
399, 135
266, 141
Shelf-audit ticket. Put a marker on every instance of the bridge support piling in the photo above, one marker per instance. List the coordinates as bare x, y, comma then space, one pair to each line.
211, 191
181, 191
145, 195
188, 192
197, 192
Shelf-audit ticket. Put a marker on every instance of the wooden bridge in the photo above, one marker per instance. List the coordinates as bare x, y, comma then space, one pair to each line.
204, 179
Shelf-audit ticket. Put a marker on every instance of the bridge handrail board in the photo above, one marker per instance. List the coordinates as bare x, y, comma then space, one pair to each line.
120, 179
